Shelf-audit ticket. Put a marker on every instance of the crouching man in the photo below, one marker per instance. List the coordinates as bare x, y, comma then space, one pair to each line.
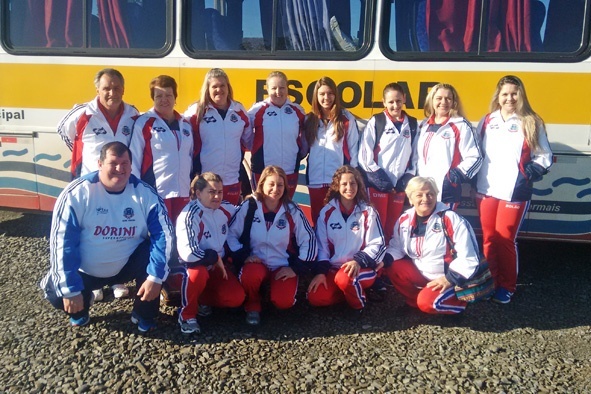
108, 227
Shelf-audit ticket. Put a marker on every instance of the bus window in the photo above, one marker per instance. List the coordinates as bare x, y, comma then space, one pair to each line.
86, 26
289, 29
503, 29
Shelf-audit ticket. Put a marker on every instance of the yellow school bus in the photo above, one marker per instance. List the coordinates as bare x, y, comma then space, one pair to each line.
52, 50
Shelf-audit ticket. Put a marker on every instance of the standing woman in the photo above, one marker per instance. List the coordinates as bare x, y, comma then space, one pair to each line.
516, 154
221, 132
385, 154
447, 149
332, 137
272, 237
162, 147
278, 124
350, 243
201, 229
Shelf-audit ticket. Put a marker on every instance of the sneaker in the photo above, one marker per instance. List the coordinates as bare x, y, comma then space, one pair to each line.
98, 294
377, 292
189, 326
253, 318
143, 325
79, 322
502, 296
205, 310
120, 291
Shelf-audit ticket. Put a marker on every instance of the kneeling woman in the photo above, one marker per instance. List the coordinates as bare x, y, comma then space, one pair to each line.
201, 230
350, 243
418, 259
271, 235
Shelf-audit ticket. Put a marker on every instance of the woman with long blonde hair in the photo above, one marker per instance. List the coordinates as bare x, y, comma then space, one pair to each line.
221, 132
516, 154
447, 149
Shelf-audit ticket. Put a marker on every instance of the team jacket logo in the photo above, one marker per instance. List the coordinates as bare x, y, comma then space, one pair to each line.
224, 229
271, 113
126, 131
288, 110
102, 211
335, 226
207, 234
436, 228
209, 119
99, 131
355, 226
111, 231
256, 220
281, 224
446, 135
406, 133
159, 129
513, 128
234, 118
186, 132
128, 213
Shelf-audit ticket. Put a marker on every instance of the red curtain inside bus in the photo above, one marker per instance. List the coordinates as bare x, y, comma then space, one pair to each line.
453, 25
59, 24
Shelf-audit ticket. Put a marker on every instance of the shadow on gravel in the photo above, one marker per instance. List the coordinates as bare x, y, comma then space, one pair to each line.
553, 294
34, 225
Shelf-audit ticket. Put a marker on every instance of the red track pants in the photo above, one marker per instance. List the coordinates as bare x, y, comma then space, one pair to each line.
342, 288
283, 292
409, 282
500, 221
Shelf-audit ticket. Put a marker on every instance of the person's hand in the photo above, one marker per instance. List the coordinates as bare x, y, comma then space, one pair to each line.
252, 259
351, 268
73, 304
220, 265
149, 290
284, 274
318, 280
379, 266
440, 284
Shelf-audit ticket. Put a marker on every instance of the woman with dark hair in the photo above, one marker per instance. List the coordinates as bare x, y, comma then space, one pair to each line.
201, 229
272, 237
516, 154
350, 243
162, 147
332, 136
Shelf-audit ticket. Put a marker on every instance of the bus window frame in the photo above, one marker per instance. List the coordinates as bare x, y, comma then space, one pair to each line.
582, 54
90, 51
336, 55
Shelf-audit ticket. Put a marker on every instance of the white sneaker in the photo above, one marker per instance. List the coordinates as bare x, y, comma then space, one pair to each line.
98, 294
120, 291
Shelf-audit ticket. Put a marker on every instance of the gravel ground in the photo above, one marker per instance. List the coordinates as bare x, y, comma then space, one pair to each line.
540, 343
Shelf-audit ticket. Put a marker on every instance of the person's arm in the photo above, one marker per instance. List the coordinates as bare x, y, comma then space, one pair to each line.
162, 239
395, 249
187, 229
541, 158
247, 132
137, 145
470, 152
66, 127
353, 139
305, 237
64, 244
375, 247
366, 147
466, 263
